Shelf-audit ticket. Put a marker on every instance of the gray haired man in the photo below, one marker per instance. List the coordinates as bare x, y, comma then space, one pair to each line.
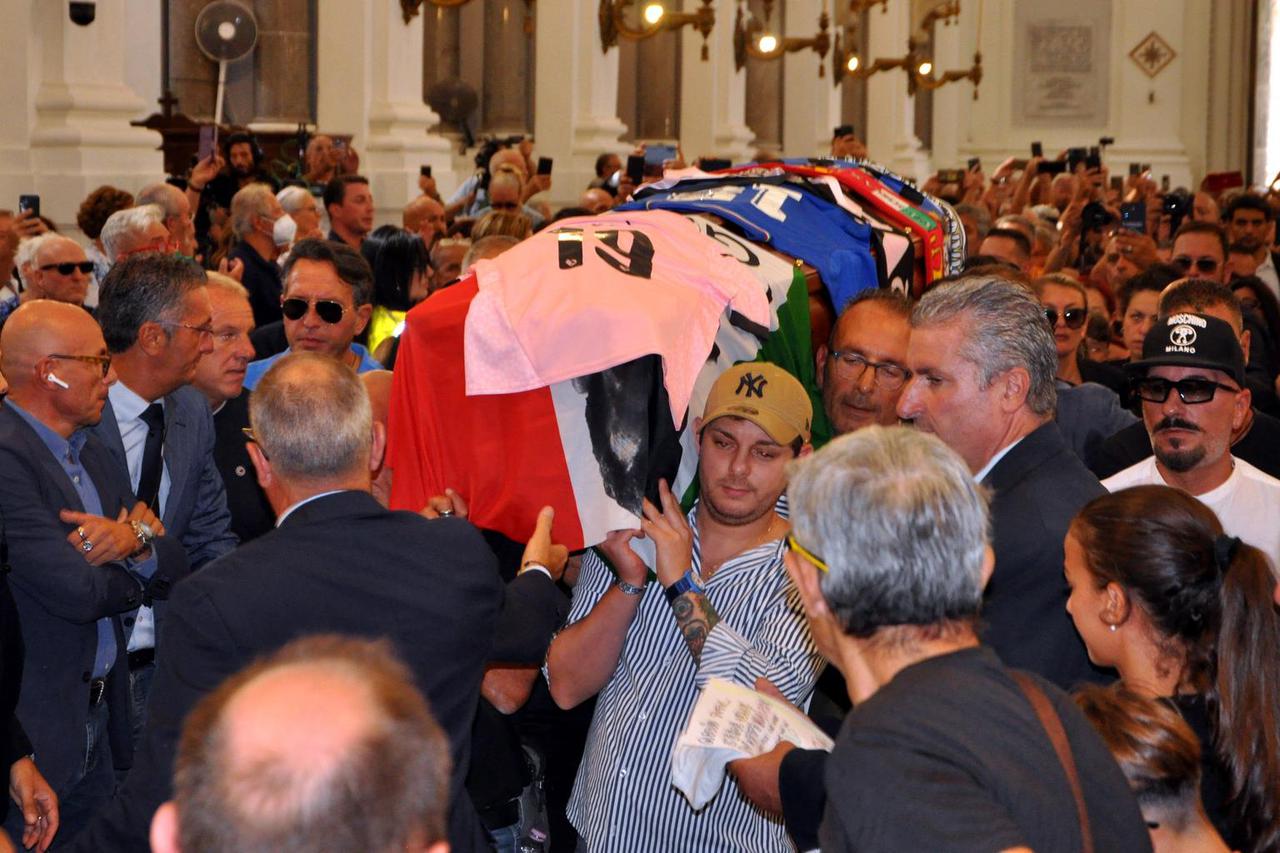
983, 362
943, 750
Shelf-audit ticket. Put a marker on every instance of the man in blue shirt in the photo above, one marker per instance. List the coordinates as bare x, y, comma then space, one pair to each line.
82, 552
328, 295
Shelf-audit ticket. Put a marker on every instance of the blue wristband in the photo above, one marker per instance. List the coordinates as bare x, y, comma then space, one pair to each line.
686, 583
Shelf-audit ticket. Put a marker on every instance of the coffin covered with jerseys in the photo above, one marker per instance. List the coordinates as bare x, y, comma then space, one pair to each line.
569, 370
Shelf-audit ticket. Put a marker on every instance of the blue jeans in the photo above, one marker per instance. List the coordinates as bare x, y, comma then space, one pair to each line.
139, 690
88, 793
506, 839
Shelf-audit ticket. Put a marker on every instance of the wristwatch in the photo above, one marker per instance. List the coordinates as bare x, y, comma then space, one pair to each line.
686, 583
144, 534
629, 589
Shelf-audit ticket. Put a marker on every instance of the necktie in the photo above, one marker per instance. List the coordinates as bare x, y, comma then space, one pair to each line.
152, 463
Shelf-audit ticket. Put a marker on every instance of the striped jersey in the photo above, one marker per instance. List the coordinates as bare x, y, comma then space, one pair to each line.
623, 799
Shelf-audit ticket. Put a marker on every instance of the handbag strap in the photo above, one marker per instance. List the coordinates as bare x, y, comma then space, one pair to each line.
1058, 736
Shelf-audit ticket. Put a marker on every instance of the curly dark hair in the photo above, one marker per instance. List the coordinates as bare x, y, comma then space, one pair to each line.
98, 206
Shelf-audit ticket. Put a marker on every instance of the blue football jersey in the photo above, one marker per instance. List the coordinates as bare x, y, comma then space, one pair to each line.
792, 220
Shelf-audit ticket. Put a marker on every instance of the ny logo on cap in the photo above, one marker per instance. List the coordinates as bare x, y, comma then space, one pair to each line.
1182, 336
753, 383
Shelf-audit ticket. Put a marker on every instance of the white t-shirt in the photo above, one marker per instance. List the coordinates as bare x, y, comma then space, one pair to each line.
1247, 504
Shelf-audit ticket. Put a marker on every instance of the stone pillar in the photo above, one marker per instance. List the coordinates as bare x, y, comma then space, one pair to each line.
576, 100
370, 85
71, 108
811, 103
890, 132
713, 93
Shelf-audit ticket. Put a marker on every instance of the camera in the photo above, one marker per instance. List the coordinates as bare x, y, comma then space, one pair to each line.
1177, 205
1095, 216
83, 14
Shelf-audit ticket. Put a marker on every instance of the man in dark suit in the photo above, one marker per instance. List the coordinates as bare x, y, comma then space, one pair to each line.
31, 791
154, 314
337, 562
982, 360
78, 555
220, 378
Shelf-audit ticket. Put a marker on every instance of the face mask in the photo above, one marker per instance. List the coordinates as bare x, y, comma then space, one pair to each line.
284, 230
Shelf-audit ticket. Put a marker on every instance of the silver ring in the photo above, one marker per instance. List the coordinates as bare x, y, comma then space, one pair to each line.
445, 513
86, 546
80, 530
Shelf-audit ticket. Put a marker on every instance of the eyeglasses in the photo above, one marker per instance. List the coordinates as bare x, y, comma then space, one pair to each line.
1205, 265
326, 309
806, 553
1154, 389
851, 365
1073, 317
503, 205
203, 331
102, 361
248, 433
68, 267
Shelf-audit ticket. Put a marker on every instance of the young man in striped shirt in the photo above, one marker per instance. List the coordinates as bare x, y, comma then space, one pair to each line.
725, 608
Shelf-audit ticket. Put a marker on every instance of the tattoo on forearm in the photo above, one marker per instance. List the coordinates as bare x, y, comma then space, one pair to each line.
695, 617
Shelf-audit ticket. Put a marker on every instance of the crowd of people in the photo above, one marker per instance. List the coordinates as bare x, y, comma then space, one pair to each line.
1028, 586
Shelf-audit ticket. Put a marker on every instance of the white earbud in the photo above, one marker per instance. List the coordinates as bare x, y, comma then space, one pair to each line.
56, 381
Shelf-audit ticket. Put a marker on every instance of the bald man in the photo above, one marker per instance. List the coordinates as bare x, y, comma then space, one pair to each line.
82, 551
596, 201
424, 216
326, 744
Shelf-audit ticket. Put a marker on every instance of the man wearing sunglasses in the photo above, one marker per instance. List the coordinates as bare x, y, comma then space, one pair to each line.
61, 271
1256, 440
1200, 251
58, 270
328, 292
1191, 383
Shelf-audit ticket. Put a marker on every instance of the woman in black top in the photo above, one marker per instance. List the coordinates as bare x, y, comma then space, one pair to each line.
1183, 611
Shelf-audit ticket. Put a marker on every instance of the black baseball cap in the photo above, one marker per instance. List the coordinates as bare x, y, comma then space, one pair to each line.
842, 130
1192, 340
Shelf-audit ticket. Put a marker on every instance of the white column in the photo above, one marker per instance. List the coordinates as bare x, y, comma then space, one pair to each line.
576, 99
891, 137
370, 85
67, 104
811, 104
713, 93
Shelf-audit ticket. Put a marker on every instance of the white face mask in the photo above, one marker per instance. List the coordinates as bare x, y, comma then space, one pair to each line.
284, 230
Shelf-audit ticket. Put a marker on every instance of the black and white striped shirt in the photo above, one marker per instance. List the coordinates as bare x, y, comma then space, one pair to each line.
623, 798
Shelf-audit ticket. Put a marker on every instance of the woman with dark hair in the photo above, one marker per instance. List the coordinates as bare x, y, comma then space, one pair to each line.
1185, 612
401, 275
1257, 299
1160, 757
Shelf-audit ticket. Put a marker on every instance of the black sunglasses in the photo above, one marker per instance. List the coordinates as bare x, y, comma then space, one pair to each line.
68, 267
1073, 317
1206, 265
1154, 389
326, 309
